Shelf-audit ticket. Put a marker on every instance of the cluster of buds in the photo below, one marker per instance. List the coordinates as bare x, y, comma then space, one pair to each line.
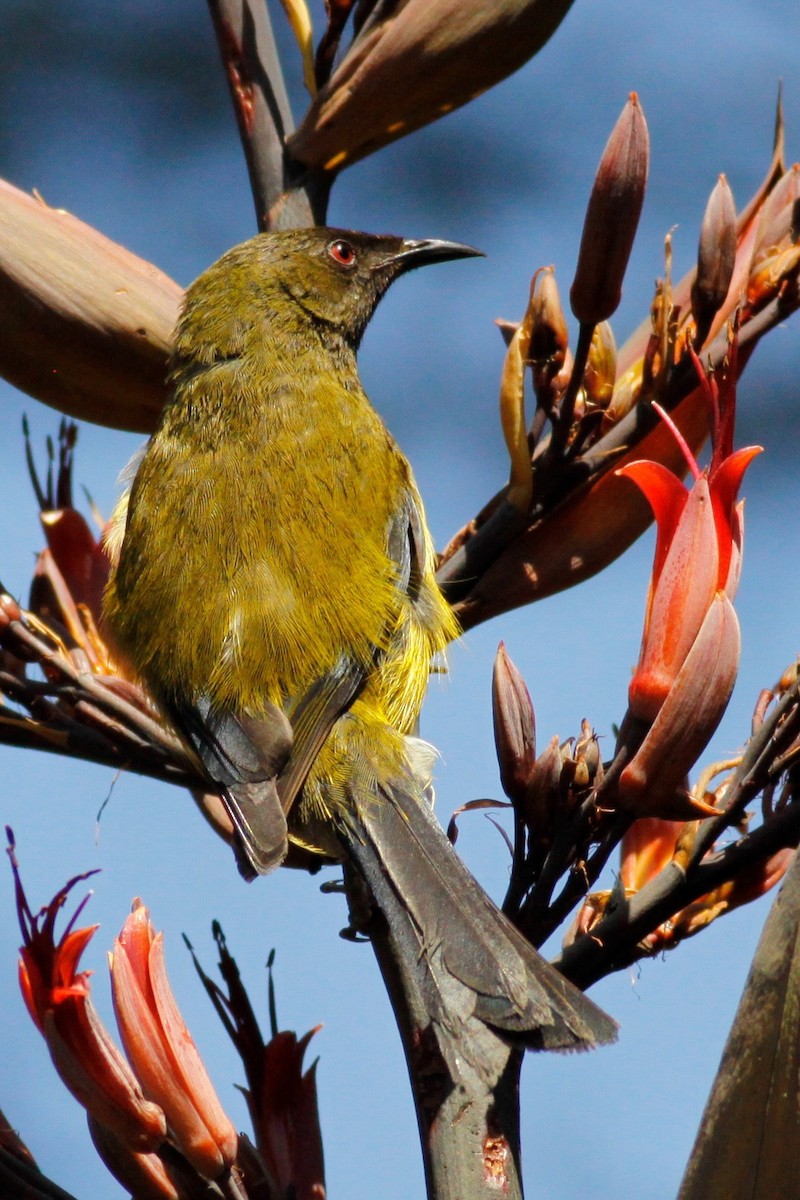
546, 789
566, 512
572, 392
153, 1113
565, 799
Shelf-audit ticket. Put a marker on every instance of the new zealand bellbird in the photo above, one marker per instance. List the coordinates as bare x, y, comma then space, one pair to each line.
275, 590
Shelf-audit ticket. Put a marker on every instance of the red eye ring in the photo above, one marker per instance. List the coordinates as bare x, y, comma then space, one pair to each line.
342, 253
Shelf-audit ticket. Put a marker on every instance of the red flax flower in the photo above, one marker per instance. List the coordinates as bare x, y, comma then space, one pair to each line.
650, 845
162, 1051
57, 997
286, 1120
690, 647
72, 571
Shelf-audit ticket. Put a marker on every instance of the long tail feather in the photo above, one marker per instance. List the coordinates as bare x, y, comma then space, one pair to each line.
468, 957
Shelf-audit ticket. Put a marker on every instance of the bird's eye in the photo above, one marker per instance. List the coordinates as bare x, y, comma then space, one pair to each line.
342, 253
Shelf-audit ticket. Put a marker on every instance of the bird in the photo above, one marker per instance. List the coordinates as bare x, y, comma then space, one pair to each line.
274, 589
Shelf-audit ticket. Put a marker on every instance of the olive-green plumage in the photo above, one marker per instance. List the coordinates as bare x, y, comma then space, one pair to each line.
275, 590
270, 516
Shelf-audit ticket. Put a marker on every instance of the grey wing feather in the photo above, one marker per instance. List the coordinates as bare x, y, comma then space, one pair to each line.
243, 756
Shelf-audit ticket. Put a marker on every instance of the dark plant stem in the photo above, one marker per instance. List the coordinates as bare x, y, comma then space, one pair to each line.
616, 941
24, 1181
284, 195
581, 880
465, 1079
563, 423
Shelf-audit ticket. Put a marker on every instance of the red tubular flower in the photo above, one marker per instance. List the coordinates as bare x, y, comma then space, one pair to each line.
57, 997
79, 556
690, 647
286, 1120
162, 1051
647, 846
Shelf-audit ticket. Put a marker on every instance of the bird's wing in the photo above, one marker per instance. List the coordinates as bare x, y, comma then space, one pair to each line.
406, 546
260, 763
312, 718
316, 712
243, 755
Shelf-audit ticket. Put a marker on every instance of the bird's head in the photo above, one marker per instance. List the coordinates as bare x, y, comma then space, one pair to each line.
330, 279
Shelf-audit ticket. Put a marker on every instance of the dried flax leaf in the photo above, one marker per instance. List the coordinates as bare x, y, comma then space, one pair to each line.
748, 1144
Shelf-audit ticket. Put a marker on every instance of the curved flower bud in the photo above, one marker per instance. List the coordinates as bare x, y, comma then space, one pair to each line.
691, 711
601, 367
162, 1051
514, 727
143, 1174
716, 258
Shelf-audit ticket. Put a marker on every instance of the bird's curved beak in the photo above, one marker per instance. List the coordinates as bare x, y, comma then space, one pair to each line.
430, 250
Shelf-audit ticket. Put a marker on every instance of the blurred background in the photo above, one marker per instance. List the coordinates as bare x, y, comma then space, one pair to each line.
125, 121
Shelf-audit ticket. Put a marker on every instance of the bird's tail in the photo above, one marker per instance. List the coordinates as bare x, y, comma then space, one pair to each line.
467, 957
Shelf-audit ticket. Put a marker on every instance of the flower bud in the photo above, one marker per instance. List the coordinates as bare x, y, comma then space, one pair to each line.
612, 218
512, 417
587, 752
601, 367
142, 1174
514, 727
544, 789
162, 1051
549, 340
300, 22
716, 258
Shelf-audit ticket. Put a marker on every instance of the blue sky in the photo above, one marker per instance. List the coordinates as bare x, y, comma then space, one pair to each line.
155, 164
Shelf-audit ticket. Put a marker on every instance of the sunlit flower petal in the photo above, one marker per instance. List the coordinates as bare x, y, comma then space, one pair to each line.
161, 1049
